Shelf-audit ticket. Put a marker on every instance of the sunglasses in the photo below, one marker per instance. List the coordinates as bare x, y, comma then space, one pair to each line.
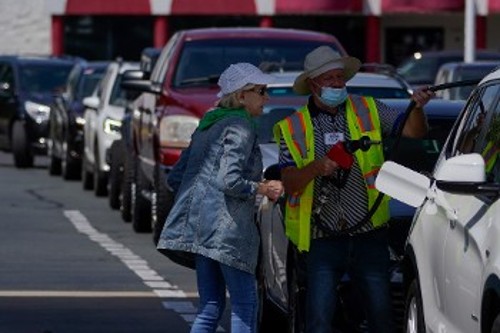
261, 91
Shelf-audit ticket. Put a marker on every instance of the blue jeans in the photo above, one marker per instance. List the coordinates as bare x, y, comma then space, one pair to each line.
366, 259
213, 277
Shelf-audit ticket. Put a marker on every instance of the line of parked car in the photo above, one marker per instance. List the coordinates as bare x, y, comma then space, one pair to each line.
120, 126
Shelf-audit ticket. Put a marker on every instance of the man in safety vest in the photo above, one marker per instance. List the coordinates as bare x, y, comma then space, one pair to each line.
329, 182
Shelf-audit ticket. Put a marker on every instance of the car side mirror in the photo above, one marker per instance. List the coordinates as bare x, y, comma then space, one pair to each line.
92, 102
6, 89
463, 174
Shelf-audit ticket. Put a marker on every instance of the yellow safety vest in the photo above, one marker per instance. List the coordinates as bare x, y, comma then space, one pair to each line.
490, 155
297, 131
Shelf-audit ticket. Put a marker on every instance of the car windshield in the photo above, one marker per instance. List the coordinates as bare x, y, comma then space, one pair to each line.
472, 73
202, 62
43, 78
419, 70
89, 81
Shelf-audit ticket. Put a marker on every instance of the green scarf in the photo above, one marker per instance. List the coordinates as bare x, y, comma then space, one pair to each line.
213, 116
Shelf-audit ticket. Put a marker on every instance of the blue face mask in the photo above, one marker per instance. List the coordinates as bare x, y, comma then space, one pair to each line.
333, 96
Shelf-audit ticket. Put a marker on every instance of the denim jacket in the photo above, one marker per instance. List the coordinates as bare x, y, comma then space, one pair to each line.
216, 180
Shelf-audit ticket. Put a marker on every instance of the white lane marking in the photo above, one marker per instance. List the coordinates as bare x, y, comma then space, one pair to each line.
140, 267
76, 293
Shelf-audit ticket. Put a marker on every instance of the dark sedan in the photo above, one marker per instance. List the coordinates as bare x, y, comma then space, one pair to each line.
65, 142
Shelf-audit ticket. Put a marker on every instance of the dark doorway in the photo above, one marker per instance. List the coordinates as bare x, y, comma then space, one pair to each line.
107, 37
403, 42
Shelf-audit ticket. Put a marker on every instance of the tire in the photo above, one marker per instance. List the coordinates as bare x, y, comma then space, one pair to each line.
161, 203
414, 315
141, 207
54, 166
126, 193
100, 178
87, 176
269, 319
115, 176
296, 293
495, 328
70, 167
21, 148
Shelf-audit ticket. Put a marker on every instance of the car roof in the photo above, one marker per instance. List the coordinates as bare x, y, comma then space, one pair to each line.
27, 59
451, 53
474, 64
435, 108
360, 79
495, 75
251, 32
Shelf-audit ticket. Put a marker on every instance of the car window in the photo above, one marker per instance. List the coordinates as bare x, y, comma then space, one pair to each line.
89, 80
43, 78
7, 75
118, 95
160, 68
202, 61
479, 131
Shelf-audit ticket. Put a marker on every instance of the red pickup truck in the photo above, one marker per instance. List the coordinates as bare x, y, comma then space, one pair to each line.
183, 86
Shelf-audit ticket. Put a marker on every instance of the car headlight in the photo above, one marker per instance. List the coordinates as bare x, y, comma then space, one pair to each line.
80, 121
176, 131
39, 112
112, 126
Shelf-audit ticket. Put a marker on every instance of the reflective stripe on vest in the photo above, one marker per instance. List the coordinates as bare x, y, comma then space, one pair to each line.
297, 131
363, 119
490, 154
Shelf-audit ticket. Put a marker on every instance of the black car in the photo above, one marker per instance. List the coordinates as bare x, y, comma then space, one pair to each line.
65, 142
28, 85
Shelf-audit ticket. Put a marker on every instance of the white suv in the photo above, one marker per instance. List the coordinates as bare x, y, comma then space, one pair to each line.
103, 116
452, 258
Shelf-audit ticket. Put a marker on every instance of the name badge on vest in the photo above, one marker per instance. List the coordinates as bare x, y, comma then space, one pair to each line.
333, 138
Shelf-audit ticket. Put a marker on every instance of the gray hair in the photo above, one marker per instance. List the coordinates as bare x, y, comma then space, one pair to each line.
231, 101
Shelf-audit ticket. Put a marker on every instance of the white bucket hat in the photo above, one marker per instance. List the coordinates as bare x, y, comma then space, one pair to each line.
236, 76
321, 60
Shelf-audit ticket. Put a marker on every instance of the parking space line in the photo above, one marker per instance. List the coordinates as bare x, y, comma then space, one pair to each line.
160, 287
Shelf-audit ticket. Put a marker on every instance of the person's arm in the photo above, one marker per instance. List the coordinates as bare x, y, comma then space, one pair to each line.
295, 179
416, 125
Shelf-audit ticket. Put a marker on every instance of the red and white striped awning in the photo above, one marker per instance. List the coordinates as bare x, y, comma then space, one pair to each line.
262, 7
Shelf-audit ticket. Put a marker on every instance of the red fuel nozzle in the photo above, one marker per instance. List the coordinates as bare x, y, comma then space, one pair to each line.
339, 154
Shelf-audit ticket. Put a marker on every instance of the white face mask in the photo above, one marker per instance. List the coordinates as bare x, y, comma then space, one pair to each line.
333, 96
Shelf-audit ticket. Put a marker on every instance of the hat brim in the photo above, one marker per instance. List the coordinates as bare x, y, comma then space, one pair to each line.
351, 67
256, 78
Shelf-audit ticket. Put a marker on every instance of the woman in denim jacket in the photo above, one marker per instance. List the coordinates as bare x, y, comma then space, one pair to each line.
216, 180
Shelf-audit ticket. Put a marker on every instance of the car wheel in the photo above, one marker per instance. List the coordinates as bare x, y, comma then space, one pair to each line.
269, 318
141, 207
126, 193
115, 176
100, 178
70, 167
87, 176
296, 294
23, 156
414, 316
495, 328
161, 203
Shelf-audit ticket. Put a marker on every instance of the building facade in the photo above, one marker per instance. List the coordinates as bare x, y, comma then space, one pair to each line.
373, 30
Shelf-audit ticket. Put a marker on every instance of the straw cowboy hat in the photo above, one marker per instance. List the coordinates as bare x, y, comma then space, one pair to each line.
321, 60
